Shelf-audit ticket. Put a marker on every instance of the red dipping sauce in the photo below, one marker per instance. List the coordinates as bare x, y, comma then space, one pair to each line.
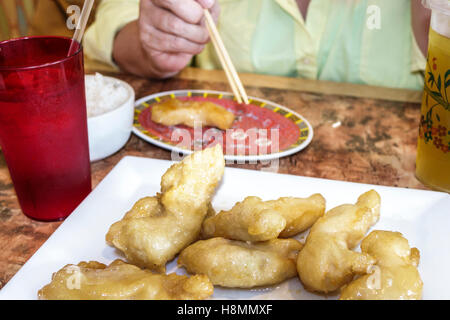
255, 131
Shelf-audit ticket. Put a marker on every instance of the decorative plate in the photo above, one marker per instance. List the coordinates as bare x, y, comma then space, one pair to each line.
263, 130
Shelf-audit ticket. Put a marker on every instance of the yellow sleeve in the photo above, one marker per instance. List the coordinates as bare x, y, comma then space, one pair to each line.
111, 16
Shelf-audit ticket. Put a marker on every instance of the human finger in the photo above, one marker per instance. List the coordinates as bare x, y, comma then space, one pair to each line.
167, 22
188, 10
154, 39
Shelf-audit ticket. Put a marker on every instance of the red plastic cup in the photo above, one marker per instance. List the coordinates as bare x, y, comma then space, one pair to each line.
43, 125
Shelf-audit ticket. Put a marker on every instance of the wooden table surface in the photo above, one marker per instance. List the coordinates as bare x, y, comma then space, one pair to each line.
362, 134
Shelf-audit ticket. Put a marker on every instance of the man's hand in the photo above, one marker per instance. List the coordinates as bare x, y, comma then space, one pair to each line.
169, 34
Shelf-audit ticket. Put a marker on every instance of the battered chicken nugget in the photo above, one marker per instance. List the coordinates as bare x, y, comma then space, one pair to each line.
172, 112
157, 228
327, 261
257, 220
395, 275
249, 220
121, 281
238, 264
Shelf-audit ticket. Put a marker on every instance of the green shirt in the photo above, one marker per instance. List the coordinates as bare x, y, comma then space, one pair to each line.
359, 41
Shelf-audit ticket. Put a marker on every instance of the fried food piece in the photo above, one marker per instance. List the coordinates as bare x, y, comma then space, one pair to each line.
257, 220
300, 214
172, 112
249, 220
394, 276
238, 264
122, 281
157, 228
327, 261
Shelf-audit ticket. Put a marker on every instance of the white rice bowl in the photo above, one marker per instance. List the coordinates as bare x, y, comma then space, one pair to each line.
110, 110
104, 94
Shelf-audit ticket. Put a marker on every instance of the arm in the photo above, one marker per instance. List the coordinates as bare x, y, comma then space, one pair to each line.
164, 38
110, 17
420, 19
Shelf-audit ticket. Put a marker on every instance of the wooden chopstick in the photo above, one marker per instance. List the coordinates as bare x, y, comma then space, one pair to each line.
81, 25
227, 72
225, 60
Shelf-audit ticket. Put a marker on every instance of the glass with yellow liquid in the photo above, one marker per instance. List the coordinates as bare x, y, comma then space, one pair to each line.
433, 149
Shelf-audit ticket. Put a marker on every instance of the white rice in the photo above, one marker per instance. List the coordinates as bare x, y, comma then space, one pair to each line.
103, 95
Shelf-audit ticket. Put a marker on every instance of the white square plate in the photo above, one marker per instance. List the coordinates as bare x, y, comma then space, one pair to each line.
422, 216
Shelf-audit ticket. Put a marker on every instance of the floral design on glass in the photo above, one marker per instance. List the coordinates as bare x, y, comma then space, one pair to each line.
431, 128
